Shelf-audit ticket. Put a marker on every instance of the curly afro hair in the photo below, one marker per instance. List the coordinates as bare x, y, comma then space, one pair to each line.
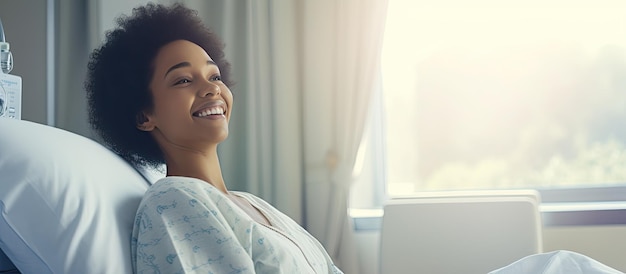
119, 73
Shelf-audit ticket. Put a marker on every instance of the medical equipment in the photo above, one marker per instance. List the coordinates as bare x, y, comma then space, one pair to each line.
10, 85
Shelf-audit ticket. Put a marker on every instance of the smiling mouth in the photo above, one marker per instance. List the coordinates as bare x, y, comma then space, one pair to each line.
212, 111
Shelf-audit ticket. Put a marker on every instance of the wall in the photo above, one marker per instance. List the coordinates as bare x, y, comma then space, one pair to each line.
28, 45
606, 244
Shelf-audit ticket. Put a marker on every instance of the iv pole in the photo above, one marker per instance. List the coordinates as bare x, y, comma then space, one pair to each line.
6, 57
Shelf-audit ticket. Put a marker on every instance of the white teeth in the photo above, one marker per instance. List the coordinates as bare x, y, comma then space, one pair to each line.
212, 111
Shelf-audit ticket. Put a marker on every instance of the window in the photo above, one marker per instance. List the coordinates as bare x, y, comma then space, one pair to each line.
498, 95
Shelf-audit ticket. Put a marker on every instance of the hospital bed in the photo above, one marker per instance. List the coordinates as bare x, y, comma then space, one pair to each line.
67, 205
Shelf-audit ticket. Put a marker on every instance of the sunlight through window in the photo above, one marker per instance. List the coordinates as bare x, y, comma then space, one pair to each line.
499, 95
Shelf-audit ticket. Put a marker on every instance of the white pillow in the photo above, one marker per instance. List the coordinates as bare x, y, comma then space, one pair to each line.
67, 203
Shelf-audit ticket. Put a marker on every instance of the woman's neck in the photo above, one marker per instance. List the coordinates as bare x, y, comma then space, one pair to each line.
204, 166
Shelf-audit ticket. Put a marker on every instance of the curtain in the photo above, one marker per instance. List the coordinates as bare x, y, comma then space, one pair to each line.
72, 50
341, 69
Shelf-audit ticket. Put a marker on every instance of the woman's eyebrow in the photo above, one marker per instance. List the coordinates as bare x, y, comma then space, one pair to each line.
185, 64
210, 62
179, 65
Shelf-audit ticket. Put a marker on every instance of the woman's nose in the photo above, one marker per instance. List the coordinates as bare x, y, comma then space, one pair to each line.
210, 89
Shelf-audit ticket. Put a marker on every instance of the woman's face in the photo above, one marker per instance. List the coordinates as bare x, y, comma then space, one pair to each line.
191, 105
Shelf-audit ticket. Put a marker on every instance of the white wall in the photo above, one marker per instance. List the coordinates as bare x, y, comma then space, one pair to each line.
606, 244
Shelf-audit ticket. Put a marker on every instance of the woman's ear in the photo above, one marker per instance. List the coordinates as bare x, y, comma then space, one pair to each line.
144, 122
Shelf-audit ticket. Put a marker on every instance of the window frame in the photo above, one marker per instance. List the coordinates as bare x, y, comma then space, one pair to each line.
562, 206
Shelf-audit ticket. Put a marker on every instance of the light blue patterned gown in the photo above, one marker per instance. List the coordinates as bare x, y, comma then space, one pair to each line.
185, 225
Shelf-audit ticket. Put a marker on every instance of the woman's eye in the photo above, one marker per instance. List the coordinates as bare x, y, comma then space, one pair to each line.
182, 81
216, 78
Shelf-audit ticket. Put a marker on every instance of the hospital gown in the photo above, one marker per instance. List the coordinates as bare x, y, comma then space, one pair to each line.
185, 225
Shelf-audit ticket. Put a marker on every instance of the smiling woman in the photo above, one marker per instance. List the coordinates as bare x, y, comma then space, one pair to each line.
159, 93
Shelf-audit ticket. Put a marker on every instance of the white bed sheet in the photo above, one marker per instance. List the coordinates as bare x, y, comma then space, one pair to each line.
557, 262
